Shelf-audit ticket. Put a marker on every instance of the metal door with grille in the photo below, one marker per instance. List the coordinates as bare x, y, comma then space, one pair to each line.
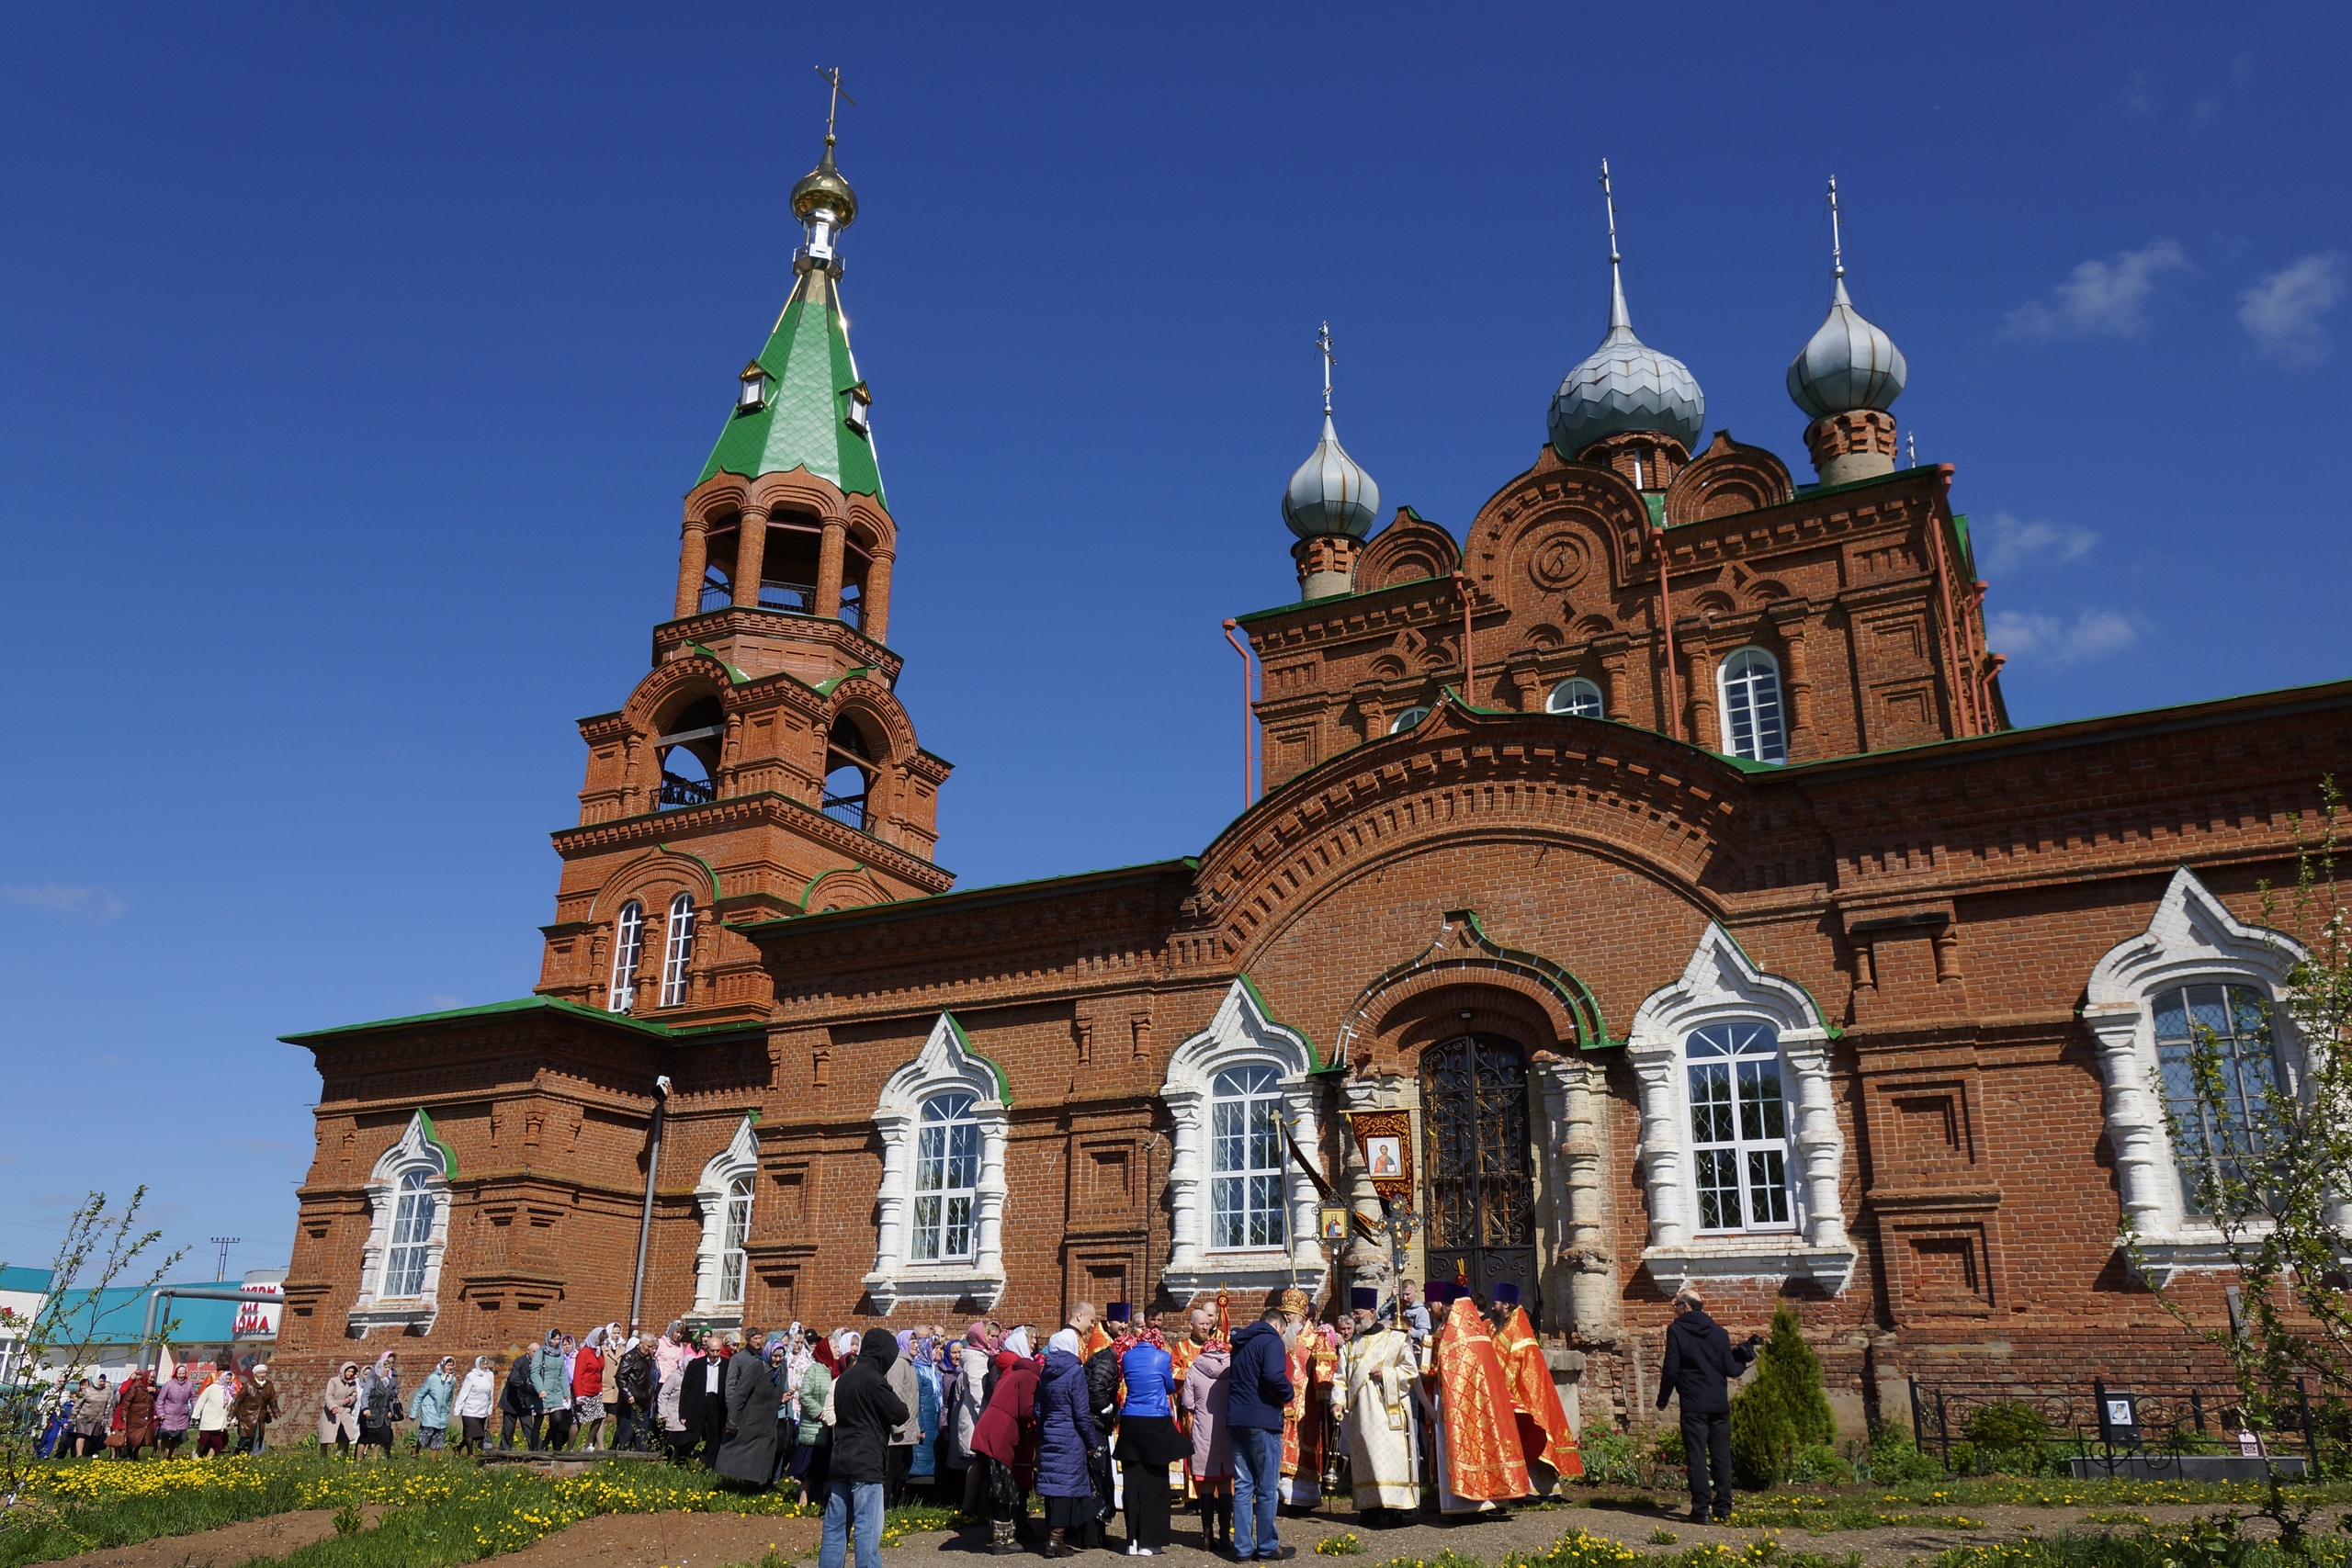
1478, 1164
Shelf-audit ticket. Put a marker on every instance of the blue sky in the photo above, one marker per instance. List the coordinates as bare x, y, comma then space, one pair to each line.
352, 367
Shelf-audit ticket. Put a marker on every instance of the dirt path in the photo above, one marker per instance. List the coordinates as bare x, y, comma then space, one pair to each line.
223, 1548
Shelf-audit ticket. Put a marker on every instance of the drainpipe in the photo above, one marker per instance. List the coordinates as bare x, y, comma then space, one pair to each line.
1469, 663
1665, 629
1247, 793
645, 1220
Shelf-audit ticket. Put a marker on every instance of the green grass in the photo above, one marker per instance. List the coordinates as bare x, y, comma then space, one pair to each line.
436, 1511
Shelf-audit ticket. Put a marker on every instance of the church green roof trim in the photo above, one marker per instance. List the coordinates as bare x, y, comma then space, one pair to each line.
734, 677
825, 688
1314, 1052
803, 423
433, 1135
707, 869
555, 1005
964, 1042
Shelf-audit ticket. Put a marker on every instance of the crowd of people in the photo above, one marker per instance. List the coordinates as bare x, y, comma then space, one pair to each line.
218, 1406
1111, 1414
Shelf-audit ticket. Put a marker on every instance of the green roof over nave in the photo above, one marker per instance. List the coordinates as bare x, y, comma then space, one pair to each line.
805, 422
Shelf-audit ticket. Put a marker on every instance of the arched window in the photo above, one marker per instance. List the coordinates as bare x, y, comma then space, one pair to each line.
689, 754
1405, 720
1739, 1128
412, 1238
722, 1255
947, 1177
679, 950
1245, 1198
1750, 683
1574, 696
849, 774
628, 946
2235, 1021
737, 1231
408, 1228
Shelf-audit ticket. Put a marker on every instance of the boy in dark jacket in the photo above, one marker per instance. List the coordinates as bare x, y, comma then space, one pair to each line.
1259, 1386
1701, 1361
865, 1408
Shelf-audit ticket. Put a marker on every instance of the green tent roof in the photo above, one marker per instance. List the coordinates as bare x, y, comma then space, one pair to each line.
804, 423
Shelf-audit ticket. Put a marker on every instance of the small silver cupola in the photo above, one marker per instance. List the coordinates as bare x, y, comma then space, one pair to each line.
1624, 384
1330, 493
1844, 380
1850, 364
1331, 503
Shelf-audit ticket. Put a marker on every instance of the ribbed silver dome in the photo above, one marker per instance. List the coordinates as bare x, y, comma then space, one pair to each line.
1849, 365
1330, 493
1625, 385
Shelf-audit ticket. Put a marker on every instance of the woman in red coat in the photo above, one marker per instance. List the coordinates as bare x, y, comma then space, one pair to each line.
1006, 1435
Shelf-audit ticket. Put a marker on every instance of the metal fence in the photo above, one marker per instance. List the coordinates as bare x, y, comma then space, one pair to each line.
2166, 1422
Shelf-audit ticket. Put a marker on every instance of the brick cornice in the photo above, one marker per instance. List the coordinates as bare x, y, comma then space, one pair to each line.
760, 808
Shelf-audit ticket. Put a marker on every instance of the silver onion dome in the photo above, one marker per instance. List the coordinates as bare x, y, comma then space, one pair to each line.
1625, 385
1330, 493
1849, 365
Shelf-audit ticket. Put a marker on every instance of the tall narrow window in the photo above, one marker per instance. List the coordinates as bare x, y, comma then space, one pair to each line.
2213, 1142
411, 1232
947, 1180
680, 951
1574, 696
1739, 1128
737, 1231
1751, 682
628, 946
1246, 1204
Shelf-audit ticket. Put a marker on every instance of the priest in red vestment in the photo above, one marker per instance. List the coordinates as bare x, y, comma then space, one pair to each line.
1544, 1435
1484, 1464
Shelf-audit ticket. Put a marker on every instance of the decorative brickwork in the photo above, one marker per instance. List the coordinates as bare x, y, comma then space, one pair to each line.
1952, 931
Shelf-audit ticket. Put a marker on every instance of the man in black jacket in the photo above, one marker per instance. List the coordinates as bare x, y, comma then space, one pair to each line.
1701, 1361
864, 1411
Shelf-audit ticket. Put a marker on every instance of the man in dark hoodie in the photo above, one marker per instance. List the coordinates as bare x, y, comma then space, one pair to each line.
1258, 1388
1701, 1361
865, 1408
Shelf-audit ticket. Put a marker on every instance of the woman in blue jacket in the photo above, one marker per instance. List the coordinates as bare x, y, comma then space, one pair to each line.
1066, 1437
1148, 1440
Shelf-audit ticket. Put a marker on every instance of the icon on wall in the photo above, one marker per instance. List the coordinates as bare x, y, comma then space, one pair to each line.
1386, 1138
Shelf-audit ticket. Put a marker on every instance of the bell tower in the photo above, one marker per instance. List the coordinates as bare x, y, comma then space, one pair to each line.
764, 769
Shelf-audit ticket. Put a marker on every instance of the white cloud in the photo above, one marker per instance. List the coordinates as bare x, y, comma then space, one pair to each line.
2100, 298
63, 898
2028, 635
2281, 313
2006, 542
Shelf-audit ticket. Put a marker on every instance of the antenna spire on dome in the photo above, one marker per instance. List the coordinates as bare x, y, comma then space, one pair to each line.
1845, 378
1330, 503
1618, 315
1624, 385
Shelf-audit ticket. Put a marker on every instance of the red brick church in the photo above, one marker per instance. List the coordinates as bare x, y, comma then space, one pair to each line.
1648, 887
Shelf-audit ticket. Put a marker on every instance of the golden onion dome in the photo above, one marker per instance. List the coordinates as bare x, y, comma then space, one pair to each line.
823, 186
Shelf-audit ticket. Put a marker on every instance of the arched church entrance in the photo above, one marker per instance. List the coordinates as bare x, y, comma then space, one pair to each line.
1479, 1164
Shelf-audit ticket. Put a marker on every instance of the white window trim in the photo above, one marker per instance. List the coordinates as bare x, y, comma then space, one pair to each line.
1553, 704
1241, 1035
946, 1060
678, 950
739, 1159
2193, 937
945, 1193
1779, 701
1721, 985
628, 951
416, 1149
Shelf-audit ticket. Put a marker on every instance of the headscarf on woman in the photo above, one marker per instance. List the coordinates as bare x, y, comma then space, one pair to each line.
823, 1355
1064, 1339
1018, 1341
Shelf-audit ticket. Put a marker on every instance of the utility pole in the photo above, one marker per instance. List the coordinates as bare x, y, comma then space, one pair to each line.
224, 1243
